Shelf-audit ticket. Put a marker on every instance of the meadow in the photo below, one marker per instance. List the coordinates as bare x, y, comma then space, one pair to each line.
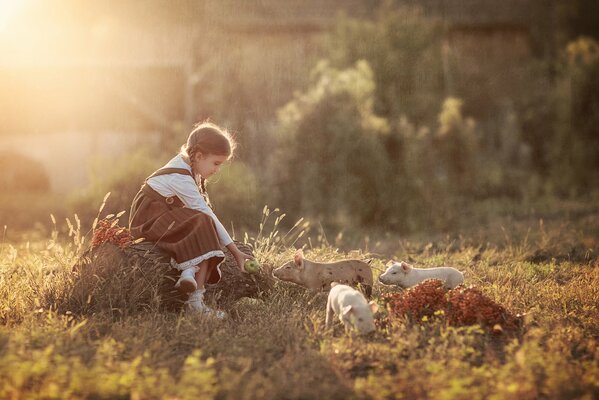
541, 263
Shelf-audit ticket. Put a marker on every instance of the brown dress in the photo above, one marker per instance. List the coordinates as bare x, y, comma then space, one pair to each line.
188, 235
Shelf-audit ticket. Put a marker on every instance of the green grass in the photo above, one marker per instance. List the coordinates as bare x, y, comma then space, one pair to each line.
278, 347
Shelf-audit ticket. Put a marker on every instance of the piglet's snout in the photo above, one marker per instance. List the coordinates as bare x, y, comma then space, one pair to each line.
384, 278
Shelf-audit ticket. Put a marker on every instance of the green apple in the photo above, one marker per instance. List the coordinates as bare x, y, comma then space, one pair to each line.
251, 266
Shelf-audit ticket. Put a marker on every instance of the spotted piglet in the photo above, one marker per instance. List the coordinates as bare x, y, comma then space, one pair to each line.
318, 276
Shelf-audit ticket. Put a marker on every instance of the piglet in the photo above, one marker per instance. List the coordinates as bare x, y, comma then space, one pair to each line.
351, 307
318, 276
405, 275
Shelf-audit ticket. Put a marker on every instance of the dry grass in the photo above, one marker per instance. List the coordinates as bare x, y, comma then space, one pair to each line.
277, 346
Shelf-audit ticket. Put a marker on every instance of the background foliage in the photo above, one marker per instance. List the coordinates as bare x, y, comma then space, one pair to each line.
377, 127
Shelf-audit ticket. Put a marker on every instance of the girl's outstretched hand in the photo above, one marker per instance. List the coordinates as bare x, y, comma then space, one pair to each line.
240, 258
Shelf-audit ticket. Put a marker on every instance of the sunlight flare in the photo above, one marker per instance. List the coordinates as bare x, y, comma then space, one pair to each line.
8, 10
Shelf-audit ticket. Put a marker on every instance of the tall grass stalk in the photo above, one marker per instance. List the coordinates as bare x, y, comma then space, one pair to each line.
269, 240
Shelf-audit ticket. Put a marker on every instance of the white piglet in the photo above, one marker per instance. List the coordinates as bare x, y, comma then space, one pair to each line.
405, 275
351, 307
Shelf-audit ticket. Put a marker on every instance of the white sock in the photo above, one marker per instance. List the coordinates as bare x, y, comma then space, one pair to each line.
196, 304
188, 276
189, 273
197, 295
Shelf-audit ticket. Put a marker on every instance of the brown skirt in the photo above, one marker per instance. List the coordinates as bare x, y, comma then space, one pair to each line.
188, 235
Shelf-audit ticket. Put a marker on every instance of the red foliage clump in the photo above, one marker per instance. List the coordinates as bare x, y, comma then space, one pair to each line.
420, 301
469, 306
108, 231
461, 306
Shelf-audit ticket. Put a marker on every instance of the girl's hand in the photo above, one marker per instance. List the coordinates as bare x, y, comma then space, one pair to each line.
240, 258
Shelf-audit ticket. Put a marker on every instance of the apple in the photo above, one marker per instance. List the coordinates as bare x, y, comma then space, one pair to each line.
251, 266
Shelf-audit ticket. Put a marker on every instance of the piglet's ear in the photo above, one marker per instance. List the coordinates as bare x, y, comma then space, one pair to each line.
299, 258
346, 310
405, 266
373, 307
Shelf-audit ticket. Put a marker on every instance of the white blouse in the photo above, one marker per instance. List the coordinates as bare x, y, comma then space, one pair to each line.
186, 189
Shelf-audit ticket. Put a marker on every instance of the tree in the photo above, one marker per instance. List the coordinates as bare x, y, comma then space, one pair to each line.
331, 161
403, 49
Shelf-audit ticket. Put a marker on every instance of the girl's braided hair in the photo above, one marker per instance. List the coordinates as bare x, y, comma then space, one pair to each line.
207, 138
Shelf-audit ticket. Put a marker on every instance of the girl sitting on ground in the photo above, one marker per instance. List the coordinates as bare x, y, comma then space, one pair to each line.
172, 209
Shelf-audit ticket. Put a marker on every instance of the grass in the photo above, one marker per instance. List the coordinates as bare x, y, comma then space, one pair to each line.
278, 347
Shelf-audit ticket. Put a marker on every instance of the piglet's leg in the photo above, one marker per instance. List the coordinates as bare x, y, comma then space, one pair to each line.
368, 291
329, 313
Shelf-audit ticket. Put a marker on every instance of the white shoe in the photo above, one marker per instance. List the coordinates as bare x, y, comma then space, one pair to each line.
195, 305
187, 281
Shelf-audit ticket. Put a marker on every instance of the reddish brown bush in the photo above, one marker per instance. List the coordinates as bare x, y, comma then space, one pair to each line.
108, 230
469, 306
461, 306
417, 302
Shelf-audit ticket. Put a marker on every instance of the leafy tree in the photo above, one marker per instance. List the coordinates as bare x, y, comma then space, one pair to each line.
403, 48
579, 18
457, 147
574, 156
331, 161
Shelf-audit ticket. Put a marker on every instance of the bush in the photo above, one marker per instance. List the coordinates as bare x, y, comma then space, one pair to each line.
426, 175
236, 196
469, 306
403, 49
457, 146
19, 173
435, 170
333, 123
461, 306
423, 300
367, 172
575, 151
120, 177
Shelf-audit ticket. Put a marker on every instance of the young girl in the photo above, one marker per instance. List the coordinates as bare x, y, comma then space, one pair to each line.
172, 209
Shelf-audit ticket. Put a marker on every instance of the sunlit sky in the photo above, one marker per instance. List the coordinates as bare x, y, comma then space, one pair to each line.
29, 34
9, 9
53, 85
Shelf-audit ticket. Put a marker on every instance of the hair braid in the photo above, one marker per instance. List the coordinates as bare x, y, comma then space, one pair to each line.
202, 184
204, 192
